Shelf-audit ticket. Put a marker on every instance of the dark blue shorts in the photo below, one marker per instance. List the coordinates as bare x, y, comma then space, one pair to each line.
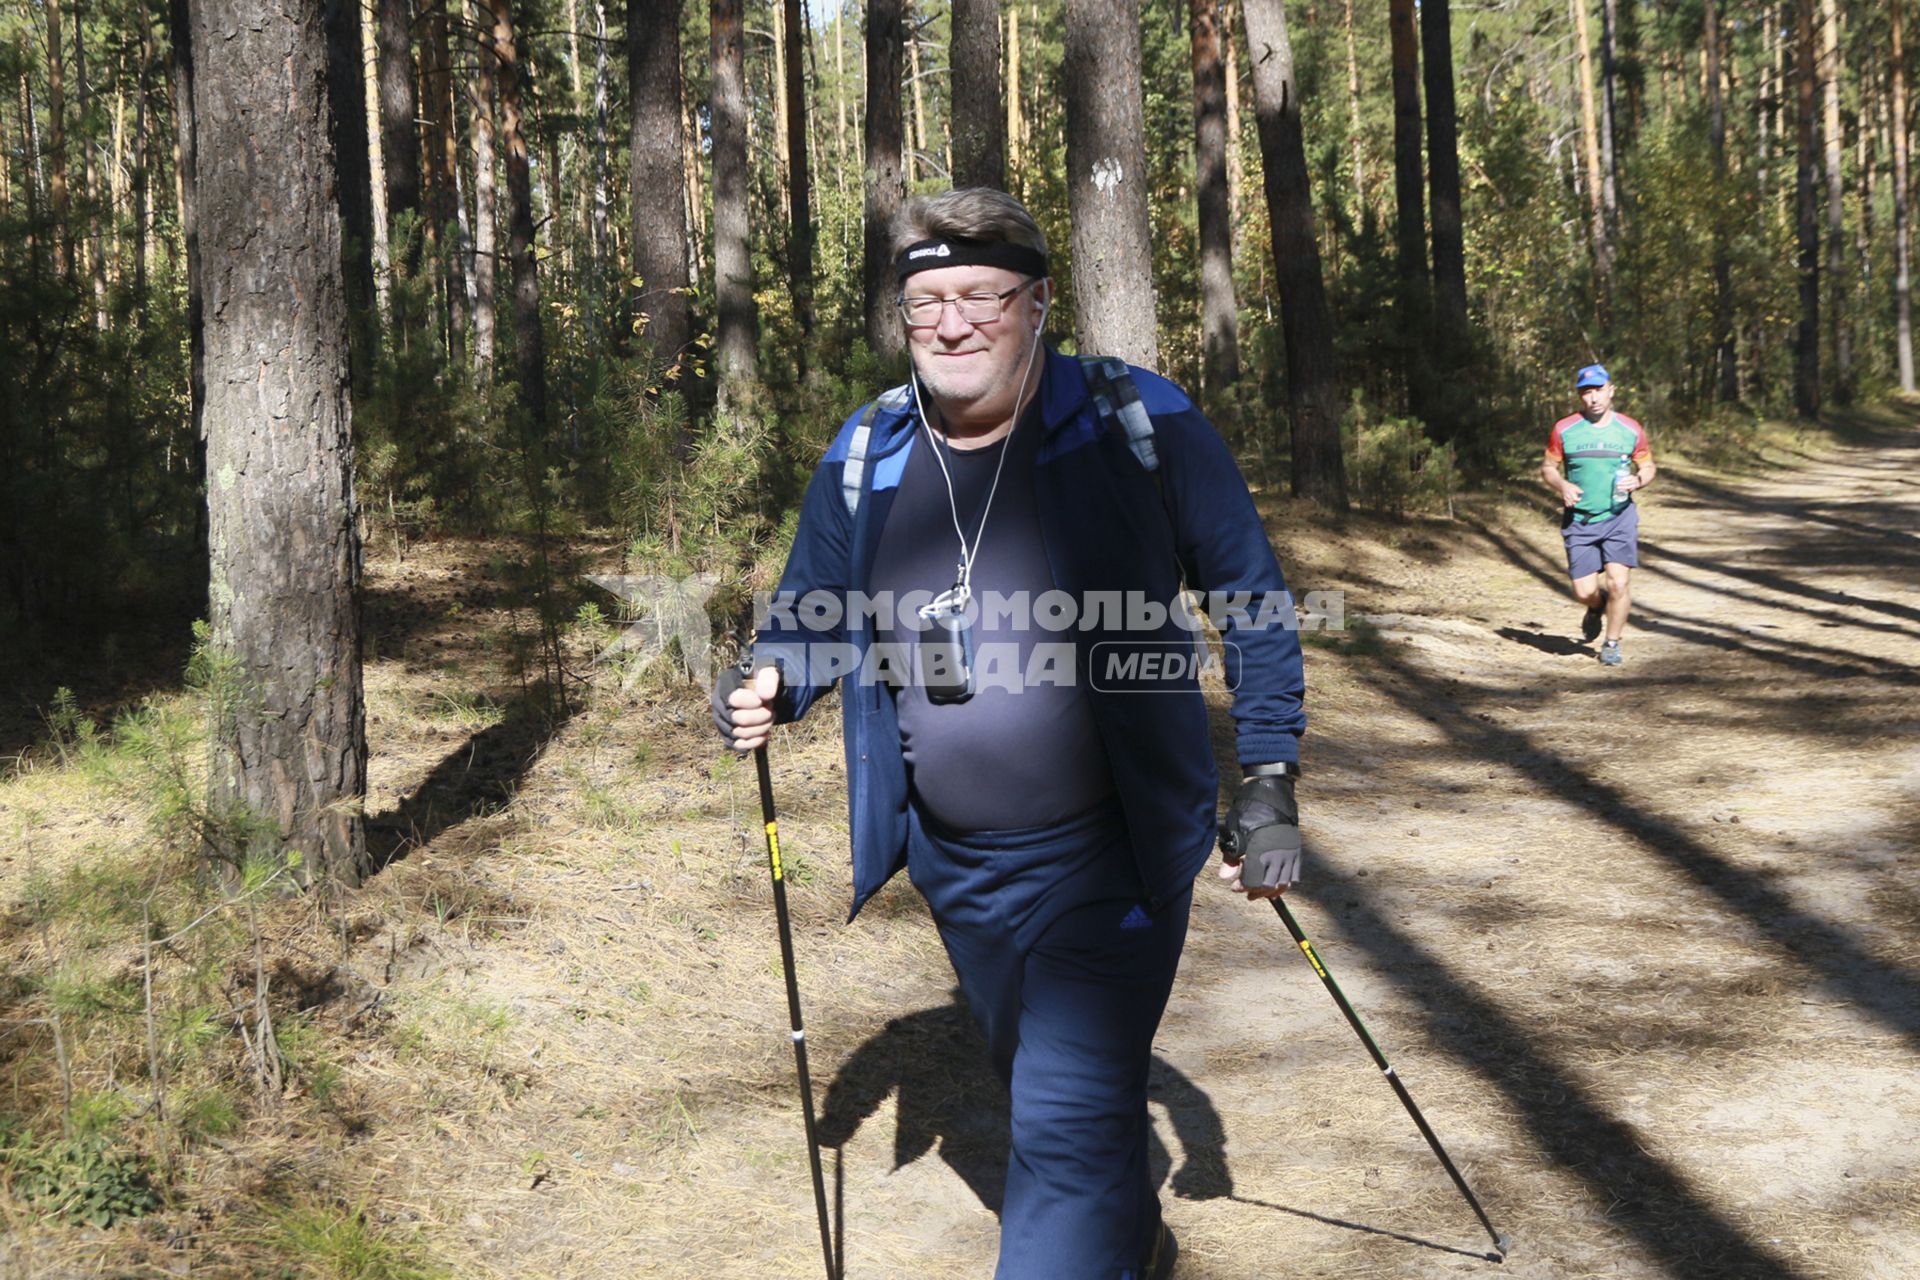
1591, 547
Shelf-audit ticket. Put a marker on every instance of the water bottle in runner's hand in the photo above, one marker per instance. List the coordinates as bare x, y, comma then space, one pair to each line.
1619, 478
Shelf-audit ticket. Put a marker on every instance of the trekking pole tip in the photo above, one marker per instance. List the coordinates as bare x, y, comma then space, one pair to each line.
1502, 1246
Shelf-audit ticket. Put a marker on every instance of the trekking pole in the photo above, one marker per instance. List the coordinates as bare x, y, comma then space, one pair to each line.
1500, 1243
793, 1003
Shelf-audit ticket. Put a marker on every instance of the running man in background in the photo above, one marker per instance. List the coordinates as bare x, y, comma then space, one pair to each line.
1607, 460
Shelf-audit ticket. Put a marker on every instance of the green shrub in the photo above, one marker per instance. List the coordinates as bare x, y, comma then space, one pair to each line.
82, 1181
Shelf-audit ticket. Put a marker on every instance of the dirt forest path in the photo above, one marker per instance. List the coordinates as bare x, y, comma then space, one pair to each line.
1641, 942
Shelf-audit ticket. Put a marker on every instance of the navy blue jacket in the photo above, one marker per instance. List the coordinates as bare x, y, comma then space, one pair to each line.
1108, 528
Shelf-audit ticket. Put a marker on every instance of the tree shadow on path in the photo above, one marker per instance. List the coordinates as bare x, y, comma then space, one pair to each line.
479, 777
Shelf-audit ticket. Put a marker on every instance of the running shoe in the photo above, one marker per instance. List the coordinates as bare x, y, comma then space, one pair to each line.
1610, 654
1590, 625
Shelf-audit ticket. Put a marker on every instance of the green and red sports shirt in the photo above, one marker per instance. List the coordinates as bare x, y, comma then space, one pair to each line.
1593, 453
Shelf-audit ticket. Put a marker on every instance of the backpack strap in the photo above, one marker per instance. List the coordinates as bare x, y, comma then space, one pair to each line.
853, 473
1117, 401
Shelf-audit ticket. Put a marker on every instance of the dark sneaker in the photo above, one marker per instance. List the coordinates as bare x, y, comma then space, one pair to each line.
1160, 1261
1590, 625
1610, 654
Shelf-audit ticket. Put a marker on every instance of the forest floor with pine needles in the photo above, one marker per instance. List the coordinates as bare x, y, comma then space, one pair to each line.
1641, 942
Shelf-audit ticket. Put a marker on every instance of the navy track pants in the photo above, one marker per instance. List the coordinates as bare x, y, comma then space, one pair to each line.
1067, 973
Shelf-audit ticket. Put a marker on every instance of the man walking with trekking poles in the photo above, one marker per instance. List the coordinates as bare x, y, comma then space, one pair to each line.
1607, 461
989, 563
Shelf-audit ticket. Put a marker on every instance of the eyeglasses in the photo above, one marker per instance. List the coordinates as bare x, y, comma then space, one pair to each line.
974, 308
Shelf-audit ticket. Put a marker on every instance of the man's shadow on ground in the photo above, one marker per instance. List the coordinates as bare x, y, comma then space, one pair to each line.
950, 1099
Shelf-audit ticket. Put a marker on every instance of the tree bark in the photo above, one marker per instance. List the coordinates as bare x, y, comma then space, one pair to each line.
1230, 68
979, 128
1107, 183
600, 227
1832, 68
186, 171
1414, 296
486, 220
444, 152
1609, 118
1443, 168
285, 554
732, 243
94, 254
56, 149
918, 147
529, 338
1306, 322
1806, 365
656, 176
1355, 134
1409, 185
885, 186
1727, 381
1596, 199
399, 144
800, 234
347, 110
1219, 319
1015, 159
1902, 213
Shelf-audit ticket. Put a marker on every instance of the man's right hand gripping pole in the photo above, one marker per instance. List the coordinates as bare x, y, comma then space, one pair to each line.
743, 706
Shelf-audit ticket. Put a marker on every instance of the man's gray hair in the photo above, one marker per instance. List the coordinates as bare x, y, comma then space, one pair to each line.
966, 213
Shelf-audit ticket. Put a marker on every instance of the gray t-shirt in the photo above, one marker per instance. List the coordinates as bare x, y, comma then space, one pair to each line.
1007, 758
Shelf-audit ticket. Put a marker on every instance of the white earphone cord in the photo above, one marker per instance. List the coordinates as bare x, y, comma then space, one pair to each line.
968, 553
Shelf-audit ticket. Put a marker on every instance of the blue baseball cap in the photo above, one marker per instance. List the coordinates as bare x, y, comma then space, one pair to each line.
1594, 375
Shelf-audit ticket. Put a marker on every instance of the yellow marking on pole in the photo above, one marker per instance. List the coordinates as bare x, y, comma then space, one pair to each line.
773, 850
1312, 959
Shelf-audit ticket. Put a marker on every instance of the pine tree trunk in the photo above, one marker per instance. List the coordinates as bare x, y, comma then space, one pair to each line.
1443, 161
885, 186
800, 235
1902, 213
1596, 198
529, 339
1415, 298
56, 149
656, 178
1219, 319
36, 232
486, 220
1230, 68
1609, 118
1832, 68
979, 133
1015, 159
921, 148
732, 244
186, 168
376, 162
399, 144
1806, 365
1728, 380
781, 136
1355, 133
602, 161
347, 111
1318, 470
285, 554
95, 244
1107, 183
444, 150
